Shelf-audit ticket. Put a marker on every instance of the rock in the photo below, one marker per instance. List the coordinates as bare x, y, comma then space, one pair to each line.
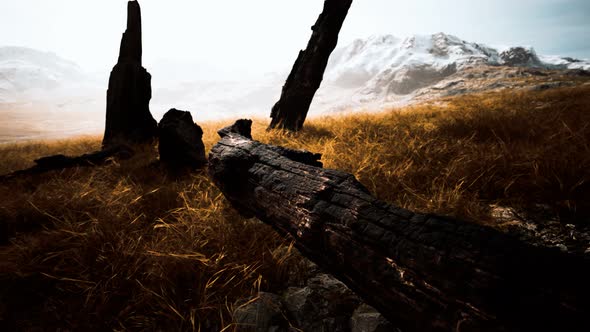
520, 57
540, 226
410, 79
577, 73
181, 143
128, 118
366, 319
325, 304
261, 314
536, 72
572, 60
550, 85
298, 268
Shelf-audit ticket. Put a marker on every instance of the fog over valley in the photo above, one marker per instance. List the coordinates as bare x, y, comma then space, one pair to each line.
230, 59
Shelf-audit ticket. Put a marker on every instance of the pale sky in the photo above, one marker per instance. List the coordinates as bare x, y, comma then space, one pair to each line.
247, 37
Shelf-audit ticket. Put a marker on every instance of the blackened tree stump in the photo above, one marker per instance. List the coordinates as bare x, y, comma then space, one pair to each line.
128, 118
423, 272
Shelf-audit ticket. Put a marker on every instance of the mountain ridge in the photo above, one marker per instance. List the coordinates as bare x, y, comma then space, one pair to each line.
399, 60
388, 71
23, 69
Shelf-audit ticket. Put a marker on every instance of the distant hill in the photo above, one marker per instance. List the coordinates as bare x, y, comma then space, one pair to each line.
44, 95
25, 71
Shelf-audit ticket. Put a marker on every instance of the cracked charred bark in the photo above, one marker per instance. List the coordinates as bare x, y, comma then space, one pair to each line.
423, 272
306, 76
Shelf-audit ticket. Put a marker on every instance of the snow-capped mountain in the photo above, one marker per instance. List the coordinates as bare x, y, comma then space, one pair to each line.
28, 71
380, 56
387, 65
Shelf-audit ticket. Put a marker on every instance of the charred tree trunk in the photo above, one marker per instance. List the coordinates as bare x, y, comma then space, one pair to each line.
307, 73
423, 272
128, 118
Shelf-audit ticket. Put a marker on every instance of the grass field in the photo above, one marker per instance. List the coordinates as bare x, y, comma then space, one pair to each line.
127, 246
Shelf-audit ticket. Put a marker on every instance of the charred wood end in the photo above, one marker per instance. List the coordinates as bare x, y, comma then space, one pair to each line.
241, 127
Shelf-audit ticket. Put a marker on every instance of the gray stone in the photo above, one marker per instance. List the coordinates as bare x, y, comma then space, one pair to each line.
550, 85
262, 314
520, 57
325, 304
366, 319
577, 73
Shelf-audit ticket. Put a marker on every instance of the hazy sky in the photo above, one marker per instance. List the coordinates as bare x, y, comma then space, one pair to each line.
254, 36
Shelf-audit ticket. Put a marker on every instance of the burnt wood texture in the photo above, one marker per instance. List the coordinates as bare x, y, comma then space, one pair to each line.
423, 272
308, 71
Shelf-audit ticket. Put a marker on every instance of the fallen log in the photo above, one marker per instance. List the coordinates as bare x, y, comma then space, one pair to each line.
60, 161
308, 71
421, 271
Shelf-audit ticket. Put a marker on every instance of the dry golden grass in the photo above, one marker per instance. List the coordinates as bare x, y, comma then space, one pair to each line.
126, 246
512, 148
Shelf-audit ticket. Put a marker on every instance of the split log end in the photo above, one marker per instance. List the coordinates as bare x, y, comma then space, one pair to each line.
242, 127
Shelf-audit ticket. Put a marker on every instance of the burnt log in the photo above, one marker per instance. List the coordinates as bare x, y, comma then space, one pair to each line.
60, 161
423, 272
128, 117
308, 71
